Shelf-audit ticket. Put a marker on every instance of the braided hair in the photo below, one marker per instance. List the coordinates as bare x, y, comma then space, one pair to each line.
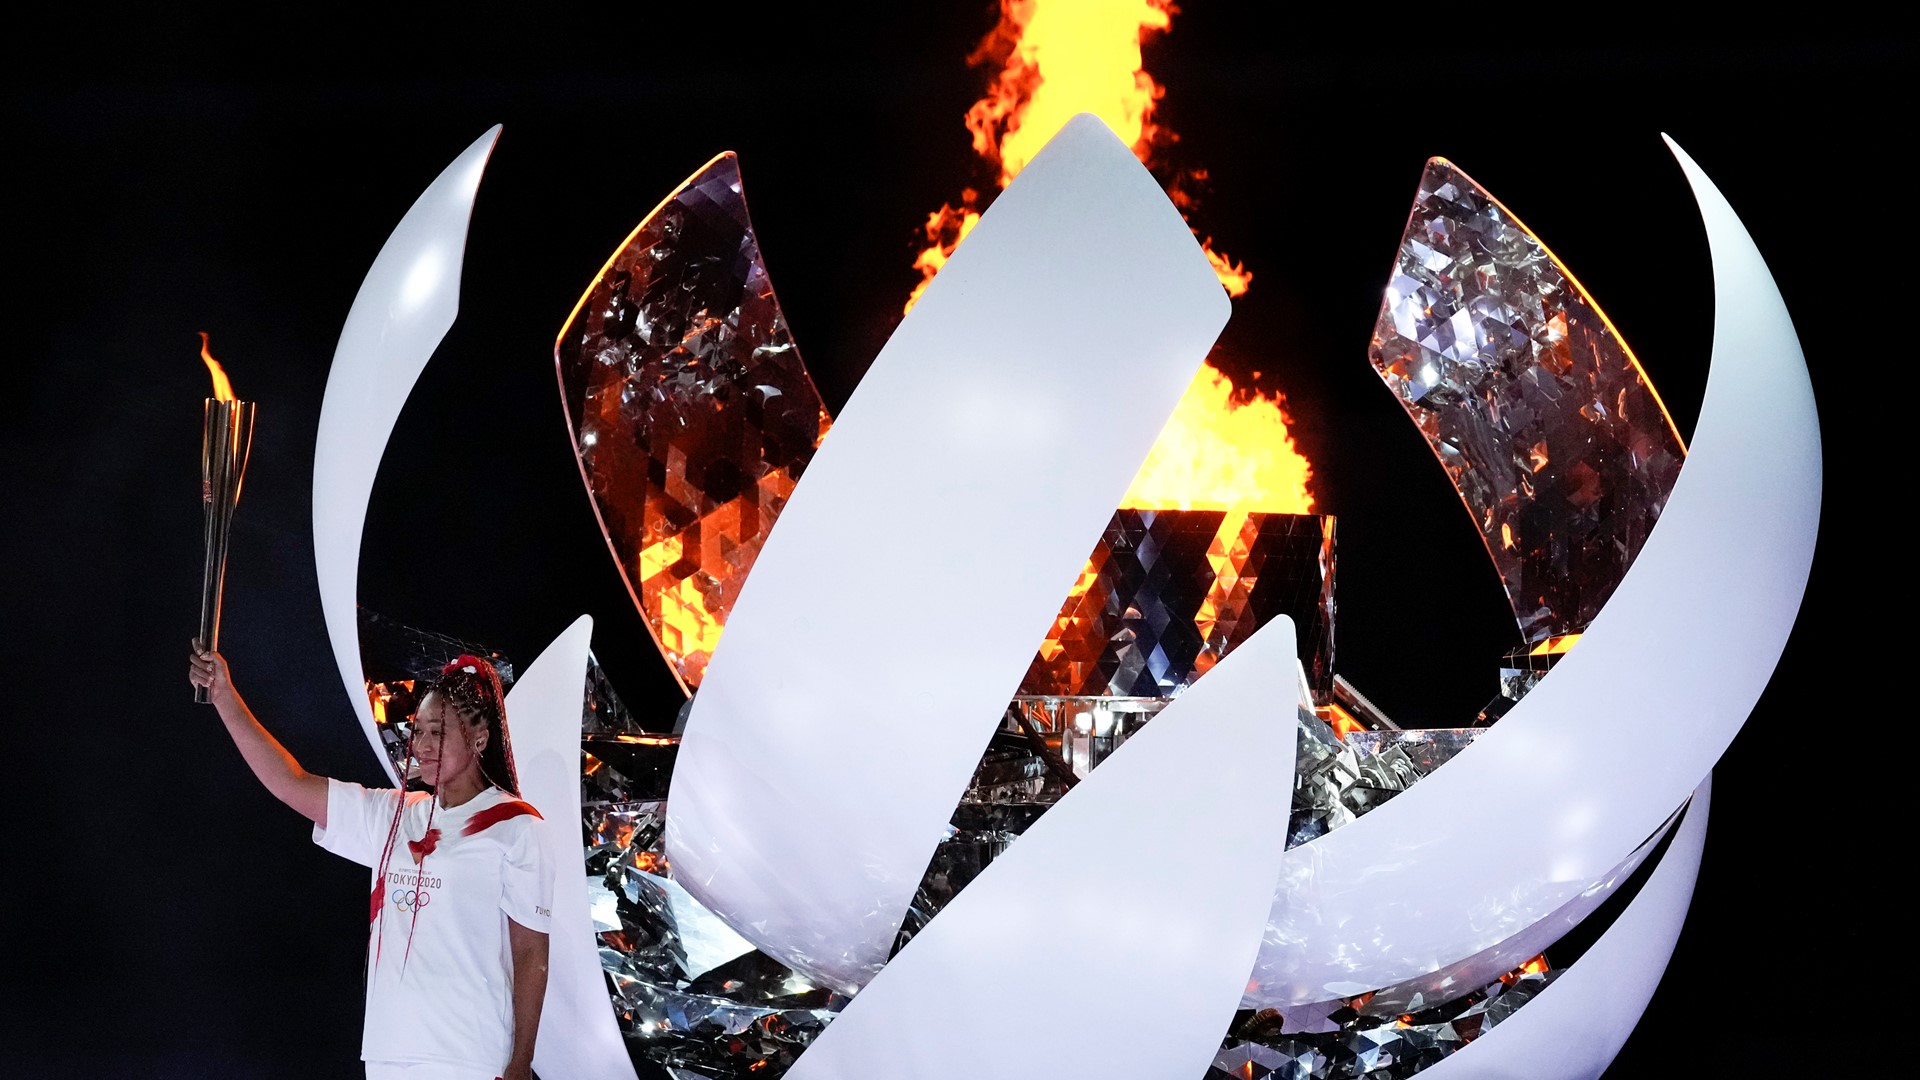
472, 687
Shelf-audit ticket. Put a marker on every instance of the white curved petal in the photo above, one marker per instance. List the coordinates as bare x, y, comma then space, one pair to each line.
896, 604
1112, 940
579, 1039
1489, 964
404, 307
1574, 1027
1597, 755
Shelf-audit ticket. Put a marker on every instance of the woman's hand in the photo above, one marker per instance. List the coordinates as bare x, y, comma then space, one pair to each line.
516, 1071
209, 669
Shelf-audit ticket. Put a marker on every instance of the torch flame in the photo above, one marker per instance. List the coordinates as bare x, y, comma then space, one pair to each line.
222, 389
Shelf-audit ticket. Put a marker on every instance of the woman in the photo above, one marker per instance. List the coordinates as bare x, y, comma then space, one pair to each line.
457, 952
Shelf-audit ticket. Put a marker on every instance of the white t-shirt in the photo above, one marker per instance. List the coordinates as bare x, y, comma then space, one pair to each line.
447, 999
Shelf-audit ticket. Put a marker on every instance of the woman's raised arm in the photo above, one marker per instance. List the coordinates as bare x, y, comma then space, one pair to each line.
269, 761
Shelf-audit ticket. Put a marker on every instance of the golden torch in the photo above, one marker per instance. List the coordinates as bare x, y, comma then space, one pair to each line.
225, 441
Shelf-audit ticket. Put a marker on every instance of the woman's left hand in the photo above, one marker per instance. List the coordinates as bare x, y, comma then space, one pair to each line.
516, 1071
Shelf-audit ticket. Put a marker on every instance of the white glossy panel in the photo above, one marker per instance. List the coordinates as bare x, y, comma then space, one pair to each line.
404, 307
1489, 964
1113, 939
1572, 1030
1595, 757
579, 1038
898, 602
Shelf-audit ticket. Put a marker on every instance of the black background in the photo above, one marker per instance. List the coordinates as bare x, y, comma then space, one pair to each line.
168, 918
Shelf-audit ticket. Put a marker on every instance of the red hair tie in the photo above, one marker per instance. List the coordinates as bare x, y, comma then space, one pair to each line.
468, 663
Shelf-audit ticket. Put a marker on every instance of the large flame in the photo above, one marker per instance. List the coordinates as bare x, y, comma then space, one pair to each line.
1218, 453
1056, 60
222, 388
1234, 276
1062, 58
945, 228
1215, 453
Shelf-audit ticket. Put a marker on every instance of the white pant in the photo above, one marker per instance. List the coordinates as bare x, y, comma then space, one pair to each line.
392, 1070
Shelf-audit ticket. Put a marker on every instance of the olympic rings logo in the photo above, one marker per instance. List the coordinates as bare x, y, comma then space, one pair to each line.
410, 900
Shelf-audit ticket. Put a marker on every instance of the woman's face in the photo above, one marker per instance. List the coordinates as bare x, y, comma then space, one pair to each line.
445, 743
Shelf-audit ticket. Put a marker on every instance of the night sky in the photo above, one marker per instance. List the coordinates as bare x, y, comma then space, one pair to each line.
168, 918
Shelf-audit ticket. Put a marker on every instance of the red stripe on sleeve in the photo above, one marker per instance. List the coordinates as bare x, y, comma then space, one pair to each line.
494, 815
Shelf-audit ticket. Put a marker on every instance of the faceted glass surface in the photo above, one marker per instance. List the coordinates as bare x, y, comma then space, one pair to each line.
693, 418
1337, 778
693, 999
1424, 749
1167, 593
690, 996
692, 414
745, 1016
1351, 1041
1082, 731
1539, 413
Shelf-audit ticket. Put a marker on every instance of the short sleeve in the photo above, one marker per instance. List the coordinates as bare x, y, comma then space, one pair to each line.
526, 881
358, 821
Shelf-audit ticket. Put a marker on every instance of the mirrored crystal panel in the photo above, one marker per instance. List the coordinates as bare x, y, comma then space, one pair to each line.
691, 997
1348, 1039
697, 1001
1539, 413
1167, 593
691, 411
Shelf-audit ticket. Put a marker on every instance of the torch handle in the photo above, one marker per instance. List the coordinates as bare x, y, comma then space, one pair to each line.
228, 436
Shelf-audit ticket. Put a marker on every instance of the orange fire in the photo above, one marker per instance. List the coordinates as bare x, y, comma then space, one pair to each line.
1217, 453
1233, 275
1058, 59
692, 607
1536, 966
686, 627
222, 389
1062, 58
1554, 646
1339, 719
945, 228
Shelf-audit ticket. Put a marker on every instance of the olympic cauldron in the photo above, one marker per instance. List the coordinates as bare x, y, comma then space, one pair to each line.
693, 418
